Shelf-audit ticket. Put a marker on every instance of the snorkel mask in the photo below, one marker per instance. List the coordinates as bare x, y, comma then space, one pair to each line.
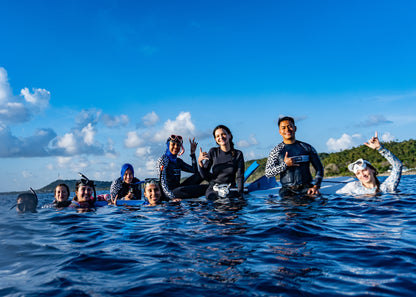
85, 181
177, 139
27, 202
360, 164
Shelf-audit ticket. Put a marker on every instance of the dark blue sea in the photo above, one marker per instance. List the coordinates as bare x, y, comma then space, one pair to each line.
265, 246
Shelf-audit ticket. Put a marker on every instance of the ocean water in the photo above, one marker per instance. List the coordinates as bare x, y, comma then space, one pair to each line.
265, 246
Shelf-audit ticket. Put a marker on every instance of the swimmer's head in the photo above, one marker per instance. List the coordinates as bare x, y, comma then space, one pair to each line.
27, 202
152, 191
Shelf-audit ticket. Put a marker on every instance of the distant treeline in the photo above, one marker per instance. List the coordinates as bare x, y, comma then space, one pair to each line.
336, 163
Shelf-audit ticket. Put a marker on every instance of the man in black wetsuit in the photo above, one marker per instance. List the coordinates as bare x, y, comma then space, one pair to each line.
291, 159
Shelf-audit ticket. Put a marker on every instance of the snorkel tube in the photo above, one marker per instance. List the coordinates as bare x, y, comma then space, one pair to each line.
86, 181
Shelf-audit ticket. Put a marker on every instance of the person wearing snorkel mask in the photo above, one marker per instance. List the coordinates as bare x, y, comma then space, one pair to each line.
170, 166
368, 183
84, 190
126, 187
26, 202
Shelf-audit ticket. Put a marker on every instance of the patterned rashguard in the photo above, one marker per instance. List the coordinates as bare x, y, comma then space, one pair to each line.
388, 186
303, 155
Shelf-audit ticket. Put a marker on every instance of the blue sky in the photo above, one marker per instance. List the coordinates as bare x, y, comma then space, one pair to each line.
89, 85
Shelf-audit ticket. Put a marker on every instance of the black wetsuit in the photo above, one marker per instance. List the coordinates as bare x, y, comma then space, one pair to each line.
223, 168
121, 189
170, 178
295, 179
61, 204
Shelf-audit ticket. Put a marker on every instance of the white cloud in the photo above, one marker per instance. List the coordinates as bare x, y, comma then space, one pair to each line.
133, 140
5, 90
114, 121
77, 142
142, 152
26, 174
38, 99
375, 120
88, 133
68, 143
182, 125
387, 137
64, 162
21, 108
31, 146
150, 119
249, 142
249, 155
345, 142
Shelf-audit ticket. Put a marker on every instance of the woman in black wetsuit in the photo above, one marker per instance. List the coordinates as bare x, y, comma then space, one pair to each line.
170, 167
61, 196
222, 165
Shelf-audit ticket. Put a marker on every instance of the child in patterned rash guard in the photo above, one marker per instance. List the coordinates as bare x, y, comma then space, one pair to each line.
368, 182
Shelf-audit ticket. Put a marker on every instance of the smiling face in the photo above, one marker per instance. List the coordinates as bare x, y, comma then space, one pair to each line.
61, 194
366, 177
222, 138
287, 129
174, 147
128, 176
84, 193
152, 193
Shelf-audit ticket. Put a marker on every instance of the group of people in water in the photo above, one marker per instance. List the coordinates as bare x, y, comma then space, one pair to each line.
223, 167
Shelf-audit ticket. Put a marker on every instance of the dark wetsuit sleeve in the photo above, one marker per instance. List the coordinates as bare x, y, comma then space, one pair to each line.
205, 169
162, 164
189, 168
319, 168
274, 166
240, 172
137, 191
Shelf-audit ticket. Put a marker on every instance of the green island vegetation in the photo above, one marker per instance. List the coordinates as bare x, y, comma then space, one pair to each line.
335, 164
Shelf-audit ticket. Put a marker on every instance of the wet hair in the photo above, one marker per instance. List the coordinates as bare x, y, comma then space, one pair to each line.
375, 176
286, 118
226, 129
28, 202
63, 185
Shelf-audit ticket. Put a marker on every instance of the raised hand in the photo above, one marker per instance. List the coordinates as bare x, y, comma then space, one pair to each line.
289, 161
202, 156
373, 143
194, 144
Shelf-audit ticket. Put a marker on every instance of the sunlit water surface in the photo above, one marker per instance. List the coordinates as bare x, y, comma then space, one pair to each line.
332, 246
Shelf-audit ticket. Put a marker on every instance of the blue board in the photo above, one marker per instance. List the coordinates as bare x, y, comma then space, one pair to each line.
249, 171
263, 183
130, 202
